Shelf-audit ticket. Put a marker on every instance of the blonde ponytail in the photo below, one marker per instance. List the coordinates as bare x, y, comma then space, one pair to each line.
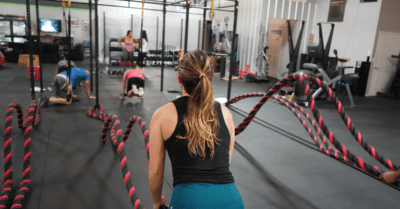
201, 120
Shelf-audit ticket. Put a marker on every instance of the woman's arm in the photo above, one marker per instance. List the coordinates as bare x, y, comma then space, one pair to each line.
157, 158
231, 127
121, 40
123, 86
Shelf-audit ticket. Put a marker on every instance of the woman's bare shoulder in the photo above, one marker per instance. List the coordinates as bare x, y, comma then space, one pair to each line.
226, 112
165, 111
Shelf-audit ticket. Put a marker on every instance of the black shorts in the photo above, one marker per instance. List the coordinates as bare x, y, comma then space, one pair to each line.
142, 59
134, 81
60, 86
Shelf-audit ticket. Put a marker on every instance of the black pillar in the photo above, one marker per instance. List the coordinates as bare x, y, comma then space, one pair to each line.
157, 34
69, 46
198, 42
163, 46
91, 45
96, 13
187, 25
232, 67
141, 33
204, 25
28, 22
39, 45
181, 33
104, 40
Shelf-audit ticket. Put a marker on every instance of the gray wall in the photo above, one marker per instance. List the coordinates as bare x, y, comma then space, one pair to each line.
388, 19
354, 37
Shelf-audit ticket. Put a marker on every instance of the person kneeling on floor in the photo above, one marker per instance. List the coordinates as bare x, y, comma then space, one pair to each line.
63, 88
62, 65
135, 86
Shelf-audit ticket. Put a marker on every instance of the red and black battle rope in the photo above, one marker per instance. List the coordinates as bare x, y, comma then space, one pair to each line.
145, 134
32, 119
346, 118
373, 170
316, 114
243, 125
288, 102
112, 122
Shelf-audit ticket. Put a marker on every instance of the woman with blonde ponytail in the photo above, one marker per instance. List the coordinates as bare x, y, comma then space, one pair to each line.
199, 135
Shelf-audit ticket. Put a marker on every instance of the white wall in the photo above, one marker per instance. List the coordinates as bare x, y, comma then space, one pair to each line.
253, 24
118, 22
354, 38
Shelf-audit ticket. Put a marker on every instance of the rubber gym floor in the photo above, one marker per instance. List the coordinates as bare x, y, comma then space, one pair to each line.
276, 165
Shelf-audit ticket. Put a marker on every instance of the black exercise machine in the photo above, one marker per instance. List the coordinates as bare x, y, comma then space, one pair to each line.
294, 52
320, 57
325, 68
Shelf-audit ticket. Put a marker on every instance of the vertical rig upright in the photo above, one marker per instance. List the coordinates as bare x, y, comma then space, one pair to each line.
204, 26
187, 26
91, 45
96, 13
28, 20
232, 67
40, 46
163, 46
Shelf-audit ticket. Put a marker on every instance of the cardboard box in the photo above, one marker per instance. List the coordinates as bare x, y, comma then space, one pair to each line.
23, 60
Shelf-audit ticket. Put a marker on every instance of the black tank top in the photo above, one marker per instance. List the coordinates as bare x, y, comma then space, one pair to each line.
193, 169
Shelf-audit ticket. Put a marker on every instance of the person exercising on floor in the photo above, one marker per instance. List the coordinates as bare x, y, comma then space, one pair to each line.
63, 89
63, 63
60, 66
135, 86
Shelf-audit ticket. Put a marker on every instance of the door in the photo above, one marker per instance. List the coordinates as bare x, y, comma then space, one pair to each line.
279, 36
383, 66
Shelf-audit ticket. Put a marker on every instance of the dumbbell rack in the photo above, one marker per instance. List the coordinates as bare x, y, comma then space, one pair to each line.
114, 49
155, 58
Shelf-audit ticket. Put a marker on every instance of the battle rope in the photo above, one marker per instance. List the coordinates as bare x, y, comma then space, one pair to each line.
346, 119
31, 119
293, 77
112, 122
316, 114
289, 102
374, 170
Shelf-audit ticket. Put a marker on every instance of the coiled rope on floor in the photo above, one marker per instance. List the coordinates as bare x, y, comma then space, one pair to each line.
112, 123
26, 121
116, 138
358, 161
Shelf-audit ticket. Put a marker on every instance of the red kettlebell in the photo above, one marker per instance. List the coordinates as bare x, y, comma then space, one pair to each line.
129, 64
121, 63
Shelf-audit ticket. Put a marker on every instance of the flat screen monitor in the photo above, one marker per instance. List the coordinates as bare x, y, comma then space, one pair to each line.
50, 25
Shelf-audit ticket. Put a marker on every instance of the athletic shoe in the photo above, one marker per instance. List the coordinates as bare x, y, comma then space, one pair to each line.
43, 101
39, 101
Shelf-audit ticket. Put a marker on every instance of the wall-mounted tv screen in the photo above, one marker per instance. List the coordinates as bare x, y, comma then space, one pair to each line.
50, 25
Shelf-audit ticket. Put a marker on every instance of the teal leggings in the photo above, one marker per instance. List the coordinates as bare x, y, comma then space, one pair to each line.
206, 196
